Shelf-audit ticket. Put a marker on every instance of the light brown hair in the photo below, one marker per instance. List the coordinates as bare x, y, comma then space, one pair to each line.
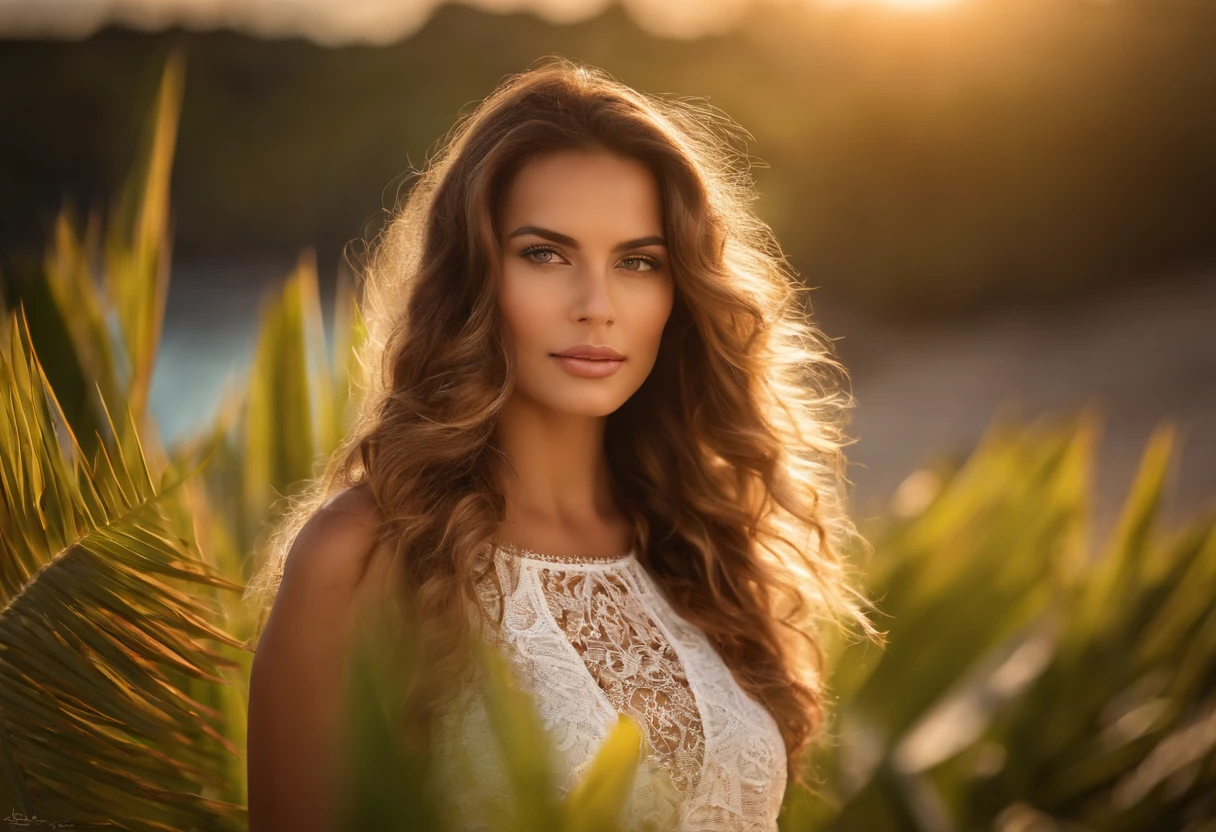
728, 458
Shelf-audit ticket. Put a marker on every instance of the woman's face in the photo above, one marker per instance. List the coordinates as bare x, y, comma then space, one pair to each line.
584, 263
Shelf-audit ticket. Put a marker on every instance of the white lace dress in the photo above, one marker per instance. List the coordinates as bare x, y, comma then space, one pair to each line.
590, 640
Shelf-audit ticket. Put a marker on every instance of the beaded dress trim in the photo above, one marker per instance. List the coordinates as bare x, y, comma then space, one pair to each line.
522, 552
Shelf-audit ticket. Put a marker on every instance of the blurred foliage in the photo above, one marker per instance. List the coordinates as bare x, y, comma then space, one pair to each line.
1029, 683
112, 660
387, 781
919, 163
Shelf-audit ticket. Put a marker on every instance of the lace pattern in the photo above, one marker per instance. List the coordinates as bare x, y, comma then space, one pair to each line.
591, 639
629, 658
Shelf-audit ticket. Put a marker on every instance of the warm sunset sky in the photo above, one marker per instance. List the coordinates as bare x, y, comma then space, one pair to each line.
374, 21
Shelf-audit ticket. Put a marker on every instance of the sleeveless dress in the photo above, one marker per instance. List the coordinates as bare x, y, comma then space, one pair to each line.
591, 639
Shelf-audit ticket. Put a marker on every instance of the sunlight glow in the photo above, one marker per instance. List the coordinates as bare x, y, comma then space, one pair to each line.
374, 21
909, 5
918, 4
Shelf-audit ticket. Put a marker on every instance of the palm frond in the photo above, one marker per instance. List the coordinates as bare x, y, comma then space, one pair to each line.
98, 629
1025, 680
138, 244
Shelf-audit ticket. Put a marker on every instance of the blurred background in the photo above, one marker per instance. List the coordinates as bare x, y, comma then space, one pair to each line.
1003, 205
1006, 210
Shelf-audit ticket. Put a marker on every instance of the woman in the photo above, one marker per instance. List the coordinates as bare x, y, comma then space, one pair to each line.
602, 433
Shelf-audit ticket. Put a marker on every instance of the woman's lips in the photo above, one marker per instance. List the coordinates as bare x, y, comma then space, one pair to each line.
589, 367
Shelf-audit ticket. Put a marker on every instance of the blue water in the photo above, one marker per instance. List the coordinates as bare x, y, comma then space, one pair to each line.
209, 338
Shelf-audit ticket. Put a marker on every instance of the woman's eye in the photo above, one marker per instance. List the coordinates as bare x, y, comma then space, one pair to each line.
650, 262
647, 263
529, 252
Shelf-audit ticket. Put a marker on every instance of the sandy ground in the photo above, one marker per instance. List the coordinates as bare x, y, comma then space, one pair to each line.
1146, 353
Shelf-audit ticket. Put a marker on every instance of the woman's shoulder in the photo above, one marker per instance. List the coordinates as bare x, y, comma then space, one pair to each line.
336, 545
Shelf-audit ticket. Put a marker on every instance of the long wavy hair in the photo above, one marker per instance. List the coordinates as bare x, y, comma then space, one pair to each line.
729, 457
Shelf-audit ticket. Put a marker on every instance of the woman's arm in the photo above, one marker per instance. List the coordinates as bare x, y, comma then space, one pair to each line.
294, 744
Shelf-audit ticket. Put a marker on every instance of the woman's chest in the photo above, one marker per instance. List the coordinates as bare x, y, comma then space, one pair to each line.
590, 643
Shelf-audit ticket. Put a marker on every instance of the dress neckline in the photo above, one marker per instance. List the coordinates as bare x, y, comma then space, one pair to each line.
569, 560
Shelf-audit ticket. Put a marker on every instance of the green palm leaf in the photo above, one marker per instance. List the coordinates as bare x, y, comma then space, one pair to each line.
1024, 682
138, 246
98, 629
595, 802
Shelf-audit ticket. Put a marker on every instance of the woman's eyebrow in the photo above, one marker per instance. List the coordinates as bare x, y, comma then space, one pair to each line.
653, 240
